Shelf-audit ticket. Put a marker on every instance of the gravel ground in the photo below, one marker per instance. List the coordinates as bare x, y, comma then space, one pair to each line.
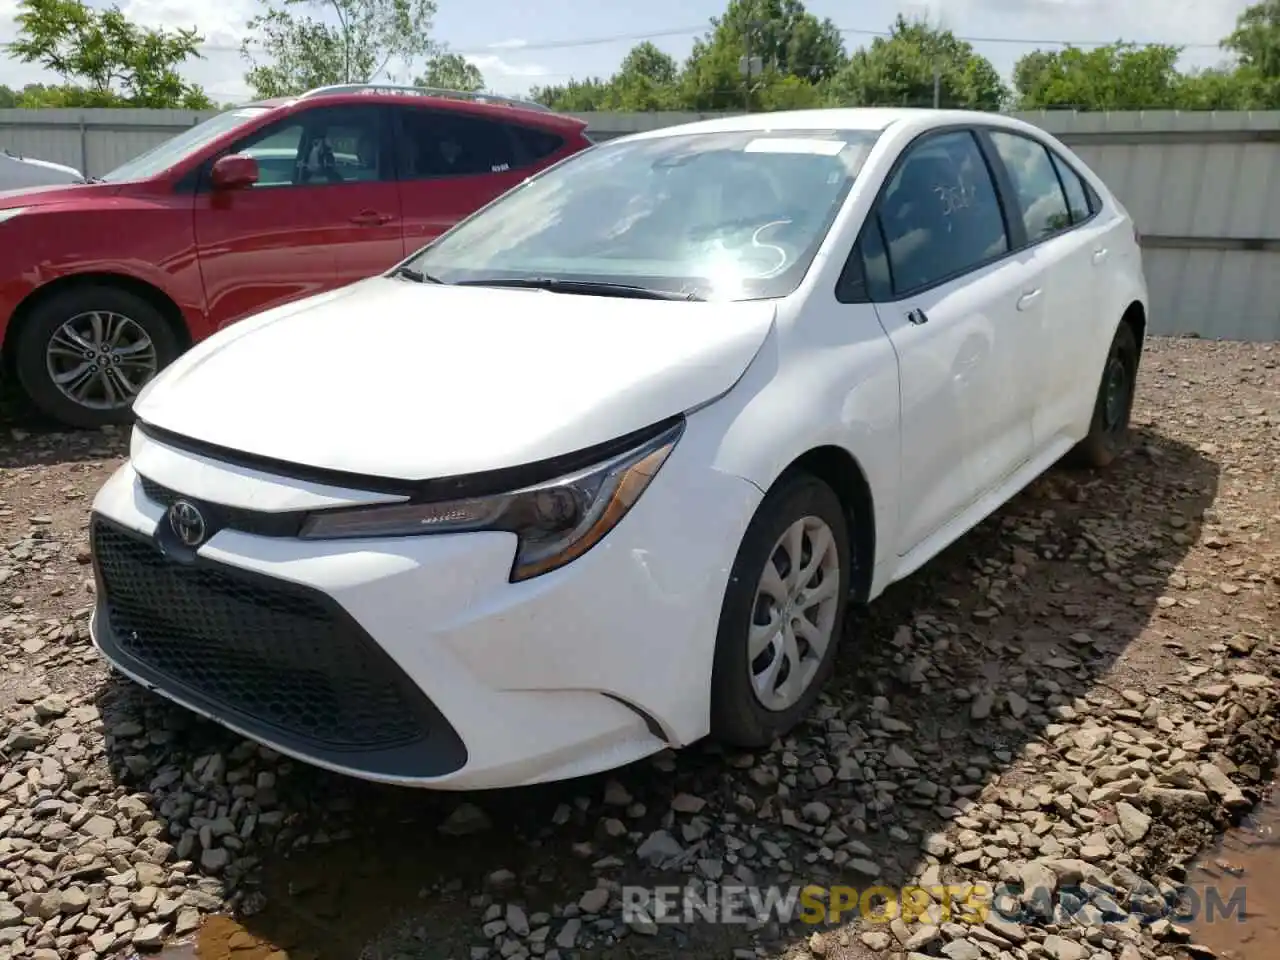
1080, 694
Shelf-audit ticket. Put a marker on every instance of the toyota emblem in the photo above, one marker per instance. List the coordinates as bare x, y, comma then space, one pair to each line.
187, 523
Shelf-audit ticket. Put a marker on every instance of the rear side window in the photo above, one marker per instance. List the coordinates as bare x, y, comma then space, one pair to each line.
1044, 206
1077, 193
449, 144
536, 144
940, 215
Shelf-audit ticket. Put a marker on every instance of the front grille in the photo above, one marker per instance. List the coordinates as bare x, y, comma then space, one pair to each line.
275, 654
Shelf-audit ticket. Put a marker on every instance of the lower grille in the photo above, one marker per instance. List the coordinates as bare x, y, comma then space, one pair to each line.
277, 655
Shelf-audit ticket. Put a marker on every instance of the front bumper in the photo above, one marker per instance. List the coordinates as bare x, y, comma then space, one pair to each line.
414, 660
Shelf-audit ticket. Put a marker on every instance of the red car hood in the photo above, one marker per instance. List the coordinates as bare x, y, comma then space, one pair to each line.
56, 193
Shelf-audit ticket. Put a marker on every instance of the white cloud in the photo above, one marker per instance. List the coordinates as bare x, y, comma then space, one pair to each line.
503, 76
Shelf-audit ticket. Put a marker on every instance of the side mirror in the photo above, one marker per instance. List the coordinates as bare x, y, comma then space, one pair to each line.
234, 172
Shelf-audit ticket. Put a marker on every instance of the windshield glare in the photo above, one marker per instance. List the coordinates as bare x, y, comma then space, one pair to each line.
163, 156
730, 216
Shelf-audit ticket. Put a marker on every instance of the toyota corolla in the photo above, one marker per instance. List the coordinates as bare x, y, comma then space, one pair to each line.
598, 471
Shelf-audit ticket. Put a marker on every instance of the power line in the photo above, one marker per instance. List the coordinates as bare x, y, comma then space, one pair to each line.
573, 43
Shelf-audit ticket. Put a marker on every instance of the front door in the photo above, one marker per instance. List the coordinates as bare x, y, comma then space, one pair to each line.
325, 212
957, 315
451, 164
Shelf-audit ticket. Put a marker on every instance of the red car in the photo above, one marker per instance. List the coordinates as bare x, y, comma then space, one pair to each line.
104, 283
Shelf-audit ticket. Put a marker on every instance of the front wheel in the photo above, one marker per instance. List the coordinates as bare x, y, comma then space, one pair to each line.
783, 614
85, 353
1109, 427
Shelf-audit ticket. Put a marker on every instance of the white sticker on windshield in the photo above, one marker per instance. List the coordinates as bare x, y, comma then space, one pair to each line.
821, 148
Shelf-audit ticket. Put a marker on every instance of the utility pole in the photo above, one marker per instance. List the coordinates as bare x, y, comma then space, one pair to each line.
749, 64
937, 83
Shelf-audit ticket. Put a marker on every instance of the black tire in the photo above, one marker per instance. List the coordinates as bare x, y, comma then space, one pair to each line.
1109, 428
738, 717
48, 317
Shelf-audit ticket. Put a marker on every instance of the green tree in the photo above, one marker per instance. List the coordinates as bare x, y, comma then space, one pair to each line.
1119, 76
1222, 88
789, 41
1255, 42
451, 71
899, 71
104, 59
290, 50
645, 81
576, 96
1256, 39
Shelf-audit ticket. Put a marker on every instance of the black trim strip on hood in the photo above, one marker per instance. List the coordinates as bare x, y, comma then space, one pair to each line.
427, 490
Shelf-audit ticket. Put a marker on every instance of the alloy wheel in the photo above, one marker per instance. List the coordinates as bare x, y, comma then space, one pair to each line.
101, 359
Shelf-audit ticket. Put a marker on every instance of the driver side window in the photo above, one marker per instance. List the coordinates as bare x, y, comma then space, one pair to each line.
319, 147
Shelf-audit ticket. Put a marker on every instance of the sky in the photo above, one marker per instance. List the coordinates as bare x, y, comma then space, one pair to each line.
518, 44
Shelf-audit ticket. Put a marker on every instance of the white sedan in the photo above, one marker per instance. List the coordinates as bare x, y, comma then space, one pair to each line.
598, 471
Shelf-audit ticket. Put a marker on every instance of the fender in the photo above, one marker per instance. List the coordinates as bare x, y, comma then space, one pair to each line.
858, 377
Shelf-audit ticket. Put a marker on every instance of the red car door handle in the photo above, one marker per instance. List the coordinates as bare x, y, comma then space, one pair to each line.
371, 218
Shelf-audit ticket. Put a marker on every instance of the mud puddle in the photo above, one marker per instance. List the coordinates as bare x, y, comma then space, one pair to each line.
1236, 884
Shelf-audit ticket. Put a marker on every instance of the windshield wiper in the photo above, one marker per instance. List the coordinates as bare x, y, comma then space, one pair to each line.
417, 276
601, 288
91, 180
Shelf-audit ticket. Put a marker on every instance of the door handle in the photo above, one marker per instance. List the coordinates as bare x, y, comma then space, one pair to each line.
1028, 298
371, 218
1100, 254
917, 317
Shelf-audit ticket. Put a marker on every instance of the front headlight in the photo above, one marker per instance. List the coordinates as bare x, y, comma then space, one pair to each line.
554, 522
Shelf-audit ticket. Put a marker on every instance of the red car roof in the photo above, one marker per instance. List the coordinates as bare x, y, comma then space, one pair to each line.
478, 103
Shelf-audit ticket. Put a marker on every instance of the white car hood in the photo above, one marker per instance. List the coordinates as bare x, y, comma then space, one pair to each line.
389, 378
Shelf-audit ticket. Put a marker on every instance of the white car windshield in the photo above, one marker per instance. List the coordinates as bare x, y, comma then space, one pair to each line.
729, 216
164, 155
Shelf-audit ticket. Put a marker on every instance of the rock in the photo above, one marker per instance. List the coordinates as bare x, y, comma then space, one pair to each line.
898, 758
188, 921
877, 940
659, 848
1133, 822
517, 920
466, 819
980, 709
1059, 948
215, 859
1220, 786
594, 901
816, 812
962, 950
102, 828
687, 803
149, 936
567, 938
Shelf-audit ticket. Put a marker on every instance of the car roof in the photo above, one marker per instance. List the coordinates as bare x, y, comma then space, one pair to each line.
483, 104
871, 119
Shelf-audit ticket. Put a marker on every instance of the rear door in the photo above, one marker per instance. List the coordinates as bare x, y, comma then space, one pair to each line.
1065, 241
325, 212
451, 163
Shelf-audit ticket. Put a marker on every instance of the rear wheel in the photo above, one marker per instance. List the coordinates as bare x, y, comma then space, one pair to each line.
85, 353
783, 614
1109, 428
